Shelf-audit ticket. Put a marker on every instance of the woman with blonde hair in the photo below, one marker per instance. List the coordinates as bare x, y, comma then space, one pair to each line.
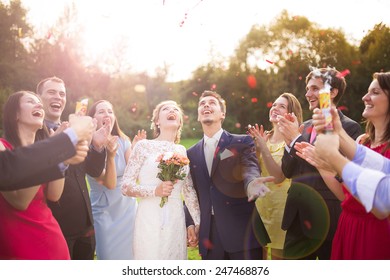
160, 230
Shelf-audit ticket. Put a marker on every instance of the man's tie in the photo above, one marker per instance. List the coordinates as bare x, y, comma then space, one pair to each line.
313, 135
209, 151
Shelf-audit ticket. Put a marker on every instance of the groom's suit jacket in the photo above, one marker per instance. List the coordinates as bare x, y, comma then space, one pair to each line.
312, 210
224, 192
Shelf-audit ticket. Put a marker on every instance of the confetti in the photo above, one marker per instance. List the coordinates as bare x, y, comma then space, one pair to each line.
269, 61
238, 125
307, 224
254, 100
343, 73
343, 108
269, 104
251, 80
213, 86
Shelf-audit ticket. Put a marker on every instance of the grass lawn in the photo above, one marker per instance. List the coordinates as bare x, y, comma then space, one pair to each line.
189, 142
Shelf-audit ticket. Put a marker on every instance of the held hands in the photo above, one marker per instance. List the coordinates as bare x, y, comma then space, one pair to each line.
164, 189
256, 187
193, 236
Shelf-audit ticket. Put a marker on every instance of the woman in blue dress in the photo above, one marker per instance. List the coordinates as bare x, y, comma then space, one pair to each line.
113, 213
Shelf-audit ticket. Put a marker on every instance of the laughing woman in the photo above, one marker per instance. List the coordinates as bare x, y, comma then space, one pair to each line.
28, 229
113, 213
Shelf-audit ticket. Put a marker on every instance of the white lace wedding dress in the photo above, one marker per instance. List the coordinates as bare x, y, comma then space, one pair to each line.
159, 233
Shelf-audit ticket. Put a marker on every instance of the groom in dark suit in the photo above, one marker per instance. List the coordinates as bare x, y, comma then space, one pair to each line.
226, 176
312, 209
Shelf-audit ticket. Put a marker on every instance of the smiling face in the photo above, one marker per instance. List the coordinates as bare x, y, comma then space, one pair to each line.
279, 108
376, 103
210, 111
170, 115
31, 113
312, 92
54, 99
104, 114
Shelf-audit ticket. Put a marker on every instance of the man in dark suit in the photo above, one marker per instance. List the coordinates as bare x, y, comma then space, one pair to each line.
225, 173
312, 209
40, 162
73, 211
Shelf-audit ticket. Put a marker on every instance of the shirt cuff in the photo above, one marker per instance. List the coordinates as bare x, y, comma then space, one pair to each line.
71, 134
63, 167
288, 148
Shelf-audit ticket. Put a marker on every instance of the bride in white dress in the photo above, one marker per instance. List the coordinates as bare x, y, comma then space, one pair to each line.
160, 232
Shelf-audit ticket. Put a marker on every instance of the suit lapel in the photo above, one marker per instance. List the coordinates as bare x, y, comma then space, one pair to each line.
307, 128
224, 141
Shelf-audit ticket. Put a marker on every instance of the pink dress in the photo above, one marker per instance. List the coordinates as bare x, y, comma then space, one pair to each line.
360, 235
32, 234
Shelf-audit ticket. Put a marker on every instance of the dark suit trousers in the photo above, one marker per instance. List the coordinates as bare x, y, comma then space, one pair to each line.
217, 252
82, 247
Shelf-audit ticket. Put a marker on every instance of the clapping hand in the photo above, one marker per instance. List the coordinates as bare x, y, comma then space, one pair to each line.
60, 128
257, 188
289, 127
112, 145
100, 137
309, 153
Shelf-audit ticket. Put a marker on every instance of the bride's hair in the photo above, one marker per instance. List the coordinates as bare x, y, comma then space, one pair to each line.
156, 112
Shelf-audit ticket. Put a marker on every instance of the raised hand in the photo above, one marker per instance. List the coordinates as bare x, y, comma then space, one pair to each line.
141, 134
82, 149
100, 137
61, 128
83, 126
112, 145
289, 127
309, 153
258, 135
257, 188
319, 120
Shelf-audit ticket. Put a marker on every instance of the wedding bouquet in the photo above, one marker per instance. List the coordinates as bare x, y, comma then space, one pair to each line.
171, 168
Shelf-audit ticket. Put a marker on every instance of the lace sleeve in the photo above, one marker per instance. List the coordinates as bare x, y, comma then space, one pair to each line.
130, 186
191, 198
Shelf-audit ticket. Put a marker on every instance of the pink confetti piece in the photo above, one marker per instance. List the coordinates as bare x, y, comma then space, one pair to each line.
251, 80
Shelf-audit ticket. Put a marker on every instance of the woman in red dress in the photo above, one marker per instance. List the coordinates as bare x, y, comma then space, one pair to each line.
361, 235
28, 229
